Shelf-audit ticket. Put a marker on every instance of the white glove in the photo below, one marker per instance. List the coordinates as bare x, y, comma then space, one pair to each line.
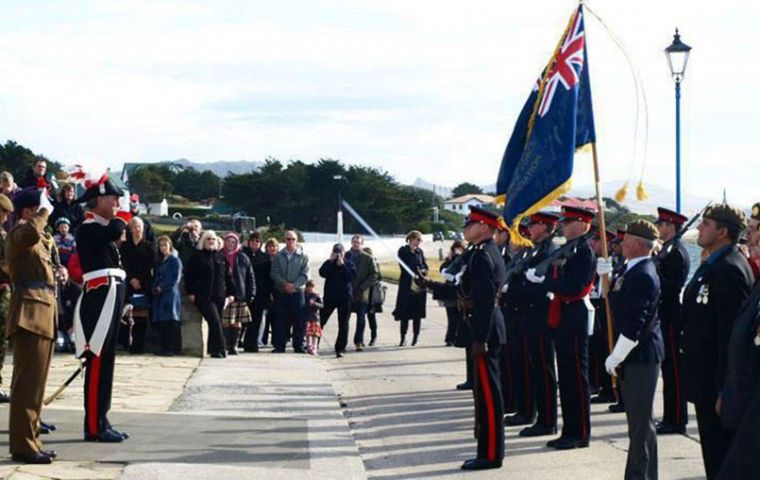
447, 276
45, 203
622, 348
504, 288
603, 266
458, 278
532, 277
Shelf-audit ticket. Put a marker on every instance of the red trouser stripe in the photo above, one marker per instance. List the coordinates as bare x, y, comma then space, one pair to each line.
582, 398
527, 377
92, 396
676, 374
488, 399
547, 391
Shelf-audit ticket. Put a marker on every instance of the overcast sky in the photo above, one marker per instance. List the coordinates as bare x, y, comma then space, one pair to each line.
420, 88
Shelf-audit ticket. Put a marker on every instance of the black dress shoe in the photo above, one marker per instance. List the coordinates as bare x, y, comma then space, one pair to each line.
538, 431
372, 341
50, 453
617, 408
402, 343
34, 458
278, 350
251, 350
299, 350
124, 435
669, 429
217, 355
465, 386
338, 355
106, 436
480, 464
603, 399
552, 443
414, 340
570, 443
46, 428
4, 397
517, 419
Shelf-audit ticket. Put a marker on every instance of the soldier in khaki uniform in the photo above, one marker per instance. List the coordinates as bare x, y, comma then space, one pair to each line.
30, 323
6, 207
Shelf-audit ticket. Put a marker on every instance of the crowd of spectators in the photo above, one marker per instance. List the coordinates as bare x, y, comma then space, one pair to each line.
250, 292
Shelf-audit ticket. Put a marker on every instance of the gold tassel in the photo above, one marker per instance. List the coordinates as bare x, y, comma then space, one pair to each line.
621, 194
641, 192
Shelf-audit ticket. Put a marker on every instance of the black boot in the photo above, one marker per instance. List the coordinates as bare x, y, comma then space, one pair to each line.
232, 339
415, 338
402, 343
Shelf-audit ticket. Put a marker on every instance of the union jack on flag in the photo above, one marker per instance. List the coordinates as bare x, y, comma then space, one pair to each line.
556, 120
568, 64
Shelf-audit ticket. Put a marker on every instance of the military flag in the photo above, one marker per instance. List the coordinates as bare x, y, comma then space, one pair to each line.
556, 120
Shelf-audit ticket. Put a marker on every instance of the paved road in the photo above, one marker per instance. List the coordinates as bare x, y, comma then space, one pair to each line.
385, 413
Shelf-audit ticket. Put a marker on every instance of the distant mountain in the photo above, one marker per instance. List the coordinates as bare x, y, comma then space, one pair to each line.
658, 196
220, 168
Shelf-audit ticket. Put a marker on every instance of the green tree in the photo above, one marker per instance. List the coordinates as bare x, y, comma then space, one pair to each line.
195, 185
18, 160
466, 188
152, 182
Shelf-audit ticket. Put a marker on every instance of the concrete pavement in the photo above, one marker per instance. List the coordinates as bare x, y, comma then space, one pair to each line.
384, 413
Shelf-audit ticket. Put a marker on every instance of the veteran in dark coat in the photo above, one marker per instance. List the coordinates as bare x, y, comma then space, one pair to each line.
711, 302
638, 350
31, 322
740, 405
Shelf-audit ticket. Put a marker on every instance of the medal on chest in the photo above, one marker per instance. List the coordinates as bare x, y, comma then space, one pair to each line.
618, 284
703, 294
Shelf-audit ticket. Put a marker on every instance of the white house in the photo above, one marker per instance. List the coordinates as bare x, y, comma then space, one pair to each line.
462, 204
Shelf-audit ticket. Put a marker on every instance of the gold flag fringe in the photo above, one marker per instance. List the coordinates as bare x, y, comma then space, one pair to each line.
622, 193
641, 192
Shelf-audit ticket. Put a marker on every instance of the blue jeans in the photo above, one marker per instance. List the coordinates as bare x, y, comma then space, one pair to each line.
290, 311
361, 318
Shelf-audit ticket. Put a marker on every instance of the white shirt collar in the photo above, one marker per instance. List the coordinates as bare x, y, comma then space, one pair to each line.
632, 262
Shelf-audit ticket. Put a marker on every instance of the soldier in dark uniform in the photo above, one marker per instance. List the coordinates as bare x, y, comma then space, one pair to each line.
516, 378
740, 404
571, 314
478, 292
638, 350
618, 268
711, 301
99, 310
599, 347
539, 337
673, 266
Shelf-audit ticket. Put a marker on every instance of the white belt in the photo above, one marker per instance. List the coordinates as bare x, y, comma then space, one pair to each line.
105, 272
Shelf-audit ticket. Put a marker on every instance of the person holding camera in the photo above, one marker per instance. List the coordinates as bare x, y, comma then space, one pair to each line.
339, 273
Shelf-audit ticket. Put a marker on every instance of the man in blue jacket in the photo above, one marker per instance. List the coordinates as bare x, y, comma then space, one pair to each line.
639, 350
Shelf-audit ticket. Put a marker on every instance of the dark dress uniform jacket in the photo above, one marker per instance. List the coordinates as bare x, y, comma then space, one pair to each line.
534, 295
743, 364
710, 302
635, 300
574, 276
673, 265
482, 282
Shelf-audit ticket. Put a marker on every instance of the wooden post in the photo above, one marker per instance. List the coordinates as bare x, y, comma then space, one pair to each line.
605, 255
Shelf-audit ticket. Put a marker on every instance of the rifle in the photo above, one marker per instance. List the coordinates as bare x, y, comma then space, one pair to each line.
520, 263
562, 252
667, 246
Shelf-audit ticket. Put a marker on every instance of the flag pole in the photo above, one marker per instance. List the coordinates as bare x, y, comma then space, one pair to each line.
605, 255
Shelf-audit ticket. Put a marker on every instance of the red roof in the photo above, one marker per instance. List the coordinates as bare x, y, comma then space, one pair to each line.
589, 204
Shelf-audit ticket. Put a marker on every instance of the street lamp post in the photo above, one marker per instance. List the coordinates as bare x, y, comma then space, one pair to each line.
344, 184
677, 54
